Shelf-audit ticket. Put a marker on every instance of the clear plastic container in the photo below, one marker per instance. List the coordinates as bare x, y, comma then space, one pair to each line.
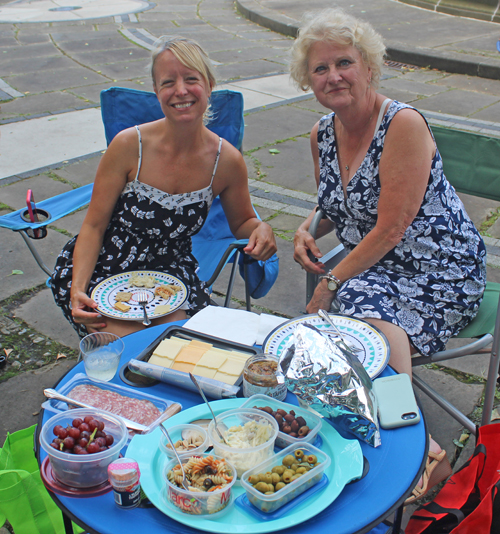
177, 432
199, 503
259, 377
243, 458
83, 470
284, 440
274, 501
81, 379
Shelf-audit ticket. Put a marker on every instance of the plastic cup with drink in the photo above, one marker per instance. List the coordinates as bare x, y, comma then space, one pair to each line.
101, 353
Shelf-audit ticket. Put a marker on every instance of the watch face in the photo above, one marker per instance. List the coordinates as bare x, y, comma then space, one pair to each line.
332, 285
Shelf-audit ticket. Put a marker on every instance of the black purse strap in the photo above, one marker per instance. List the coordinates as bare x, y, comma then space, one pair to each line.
495, 521
451, 522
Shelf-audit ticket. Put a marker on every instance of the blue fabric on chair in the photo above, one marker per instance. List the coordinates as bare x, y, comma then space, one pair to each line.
57, 207
120, 110
214, 235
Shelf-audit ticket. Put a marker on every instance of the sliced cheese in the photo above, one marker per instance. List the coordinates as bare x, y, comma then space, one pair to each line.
232, 367
161, 309
224, 377
162, 362
169, 348
213, 359
201, 344
236, 355
204, 371
185, 367
190, 354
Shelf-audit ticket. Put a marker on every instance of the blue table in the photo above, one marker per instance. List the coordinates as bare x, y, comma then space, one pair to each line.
395, 468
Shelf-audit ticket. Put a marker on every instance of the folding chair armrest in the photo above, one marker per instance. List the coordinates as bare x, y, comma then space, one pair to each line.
57, 207
470, 348
235, 246
330, 259
313, 227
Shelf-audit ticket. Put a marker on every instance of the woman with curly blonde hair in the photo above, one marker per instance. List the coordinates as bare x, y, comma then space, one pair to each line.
415, 266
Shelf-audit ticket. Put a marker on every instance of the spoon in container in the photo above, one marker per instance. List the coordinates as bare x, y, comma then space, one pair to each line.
185, 485
195, 382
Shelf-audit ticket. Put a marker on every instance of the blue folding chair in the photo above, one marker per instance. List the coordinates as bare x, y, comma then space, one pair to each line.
214, 246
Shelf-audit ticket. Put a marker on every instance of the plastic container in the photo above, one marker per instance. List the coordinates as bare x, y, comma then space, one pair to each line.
243, 458
259, 377
124, 475
200, 503
83, 470
81, 379
284, 440
271, 503
176, 433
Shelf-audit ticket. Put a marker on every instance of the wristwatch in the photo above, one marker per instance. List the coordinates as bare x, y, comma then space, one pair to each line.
333, 282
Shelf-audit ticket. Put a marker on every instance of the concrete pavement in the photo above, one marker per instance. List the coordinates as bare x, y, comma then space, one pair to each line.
51, 76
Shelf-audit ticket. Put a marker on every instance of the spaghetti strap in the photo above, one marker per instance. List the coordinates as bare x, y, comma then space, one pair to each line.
216, 161
381, 113
140, 153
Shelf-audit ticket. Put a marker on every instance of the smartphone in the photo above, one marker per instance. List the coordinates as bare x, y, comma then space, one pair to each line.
397, 405
30, 203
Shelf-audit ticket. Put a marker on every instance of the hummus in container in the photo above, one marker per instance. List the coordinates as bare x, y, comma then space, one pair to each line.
249, 437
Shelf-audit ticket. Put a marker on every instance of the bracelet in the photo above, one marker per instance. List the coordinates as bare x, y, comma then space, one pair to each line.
333, 282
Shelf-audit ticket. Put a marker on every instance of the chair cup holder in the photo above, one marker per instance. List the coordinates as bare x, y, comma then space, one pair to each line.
36, 233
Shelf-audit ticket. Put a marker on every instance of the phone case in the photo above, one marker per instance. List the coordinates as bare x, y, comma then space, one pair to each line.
397, 405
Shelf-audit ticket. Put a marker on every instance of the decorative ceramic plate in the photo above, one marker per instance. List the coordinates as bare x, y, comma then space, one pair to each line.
346, 465
105, 294
369, 343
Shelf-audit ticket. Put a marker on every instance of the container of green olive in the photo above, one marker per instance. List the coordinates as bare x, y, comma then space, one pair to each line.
276, 481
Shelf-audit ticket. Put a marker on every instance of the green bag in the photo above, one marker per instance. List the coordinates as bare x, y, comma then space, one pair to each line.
24, 500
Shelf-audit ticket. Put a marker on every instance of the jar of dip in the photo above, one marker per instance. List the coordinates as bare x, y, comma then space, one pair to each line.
124, 476
259, 377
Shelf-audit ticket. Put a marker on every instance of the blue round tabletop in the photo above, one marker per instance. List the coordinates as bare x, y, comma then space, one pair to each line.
394, 469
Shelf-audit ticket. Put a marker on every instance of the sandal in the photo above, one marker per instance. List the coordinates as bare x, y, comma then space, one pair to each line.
437, 469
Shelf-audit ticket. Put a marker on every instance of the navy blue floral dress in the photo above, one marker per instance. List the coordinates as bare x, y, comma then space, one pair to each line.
149, 229
432, 282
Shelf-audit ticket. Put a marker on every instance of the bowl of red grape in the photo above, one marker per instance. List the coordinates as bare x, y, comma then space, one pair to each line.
81, 444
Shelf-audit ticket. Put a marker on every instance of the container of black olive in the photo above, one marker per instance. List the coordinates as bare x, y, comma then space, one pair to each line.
285, 415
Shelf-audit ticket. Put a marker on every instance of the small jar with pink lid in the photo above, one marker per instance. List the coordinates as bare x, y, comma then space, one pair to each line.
124, 475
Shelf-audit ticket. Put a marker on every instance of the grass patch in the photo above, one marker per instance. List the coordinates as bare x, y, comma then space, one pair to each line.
489, 222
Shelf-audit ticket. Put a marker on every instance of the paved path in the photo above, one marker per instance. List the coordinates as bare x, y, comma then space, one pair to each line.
51, 141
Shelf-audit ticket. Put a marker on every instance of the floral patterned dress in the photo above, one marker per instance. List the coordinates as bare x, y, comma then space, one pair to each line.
149, 229
432, 282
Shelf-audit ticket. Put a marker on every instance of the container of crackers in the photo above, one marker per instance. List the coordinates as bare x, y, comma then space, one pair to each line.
218, 364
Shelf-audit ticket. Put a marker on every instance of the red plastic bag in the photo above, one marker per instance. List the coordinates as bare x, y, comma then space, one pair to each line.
469, 502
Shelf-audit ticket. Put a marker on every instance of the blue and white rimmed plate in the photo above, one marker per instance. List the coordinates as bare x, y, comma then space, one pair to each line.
372, 346
105, 294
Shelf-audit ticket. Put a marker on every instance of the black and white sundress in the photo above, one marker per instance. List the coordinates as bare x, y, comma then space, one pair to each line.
149, 229
432, 282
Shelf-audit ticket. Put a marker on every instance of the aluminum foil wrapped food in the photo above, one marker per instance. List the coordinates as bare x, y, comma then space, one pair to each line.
332, 381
